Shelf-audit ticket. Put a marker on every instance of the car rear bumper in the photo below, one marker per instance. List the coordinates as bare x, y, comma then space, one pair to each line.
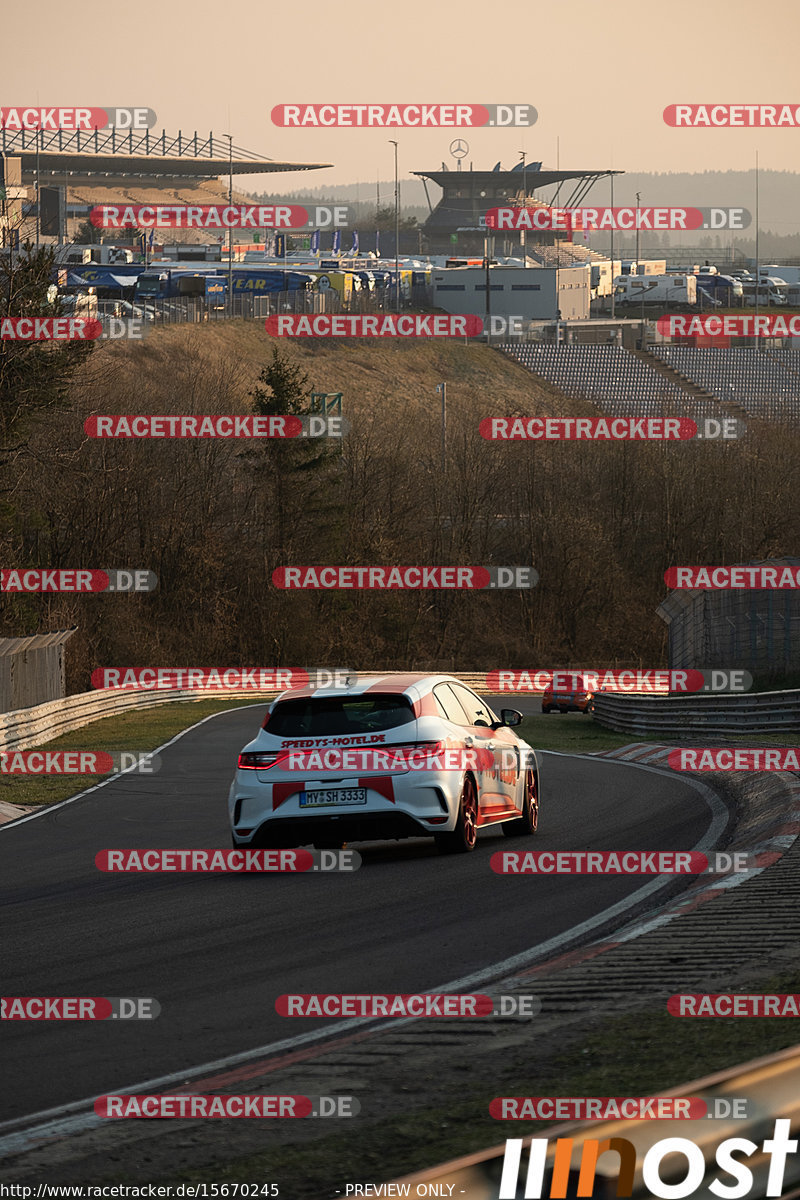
282, 832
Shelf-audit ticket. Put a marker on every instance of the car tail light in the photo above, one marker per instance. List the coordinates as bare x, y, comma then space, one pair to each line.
408, 747
259, 760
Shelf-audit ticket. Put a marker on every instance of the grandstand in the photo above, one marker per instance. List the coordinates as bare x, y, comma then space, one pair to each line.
765, 384
83, 197
104, 166
619, 382
563, 254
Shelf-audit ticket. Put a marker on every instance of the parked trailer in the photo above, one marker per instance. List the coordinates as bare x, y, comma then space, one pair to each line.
183, 281
790, 275
645, 266
771, 291
75, 254
665, 290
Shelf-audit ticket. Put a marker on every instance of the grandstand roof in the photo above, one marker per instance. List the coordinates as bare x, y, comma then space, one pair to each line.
69, 168
63, 156
508, 181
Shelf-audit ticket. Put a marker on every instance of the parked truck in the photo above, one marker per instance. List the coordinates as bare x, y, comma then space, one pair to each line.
724, 288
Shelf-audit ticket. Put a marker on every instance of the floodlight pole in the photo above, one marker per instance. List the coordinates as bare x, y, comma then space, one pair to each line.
230, 227
396, 231
522, 239
613, 299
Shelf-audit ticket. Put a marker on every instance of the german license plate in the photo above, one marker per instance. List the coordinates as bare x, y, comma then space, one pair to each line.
327, 797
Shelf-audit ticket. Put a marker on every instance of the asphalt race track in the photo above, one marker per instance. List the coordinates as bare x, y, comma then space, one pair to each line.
216, 950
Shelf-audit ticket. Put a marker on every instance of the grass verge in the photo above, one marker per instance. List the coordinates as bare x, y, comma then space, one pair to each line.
139, 729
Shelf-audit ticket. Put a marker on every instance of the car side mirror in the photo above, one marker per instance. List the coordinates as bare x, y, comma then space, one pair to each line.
510, 717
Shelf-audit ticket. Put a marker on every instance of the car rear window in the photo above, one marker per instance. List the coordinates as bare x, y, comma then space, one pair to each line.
320, 716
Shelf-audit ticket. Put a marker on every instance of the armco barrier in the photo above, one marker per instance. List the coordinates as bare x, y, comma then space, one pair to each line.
673, 716
29, 727
771, 1086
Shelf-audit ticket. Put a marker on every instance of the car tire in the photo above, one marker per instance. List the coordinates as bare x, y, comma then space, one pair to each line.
528, 823
462, 839
549, 708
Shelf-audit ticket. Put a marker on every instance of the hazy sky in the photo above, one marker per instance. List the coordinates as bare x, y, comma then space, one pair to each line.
599, 72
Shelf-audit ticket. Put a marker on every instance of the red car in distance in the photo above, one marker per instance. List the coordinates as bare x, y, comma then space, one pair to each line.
570, 700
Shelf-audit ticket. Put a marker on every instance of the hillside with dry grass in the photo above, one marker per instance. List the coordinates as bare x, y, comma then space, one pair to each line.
214, 518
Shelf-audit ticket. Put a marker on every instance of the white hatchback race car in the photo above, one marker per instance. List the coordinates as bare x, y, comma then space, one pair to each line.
395, 756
